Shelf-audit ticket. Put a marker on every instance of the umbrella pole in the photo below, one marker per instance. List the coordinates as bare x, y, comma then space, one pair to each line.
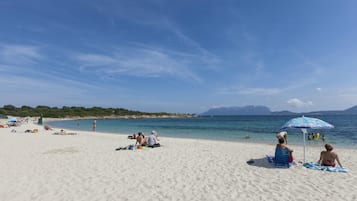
304, 148
304, 131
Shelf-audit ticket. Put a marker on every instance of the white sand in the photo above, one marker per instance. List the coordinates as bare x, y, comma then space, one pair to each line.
86, 167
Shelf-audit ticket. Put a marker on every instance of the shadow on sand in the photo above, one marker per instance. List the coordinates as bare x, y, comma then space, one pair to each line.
261, 162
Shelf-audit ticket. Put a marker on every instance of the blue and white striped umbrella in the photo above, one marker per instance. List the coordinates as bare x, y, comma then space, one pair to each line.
305, 123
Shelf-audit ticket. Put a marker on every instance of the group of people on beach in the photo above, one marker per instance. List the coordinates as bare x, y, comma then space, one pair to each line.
327, 158
141, 140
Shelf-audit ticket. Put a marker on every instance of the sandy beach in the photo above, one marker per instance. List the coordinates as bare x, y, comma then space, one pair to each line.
42, 166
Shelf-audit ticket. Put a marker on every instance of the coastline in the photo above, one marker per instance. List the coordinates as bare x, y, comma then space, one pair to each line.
43, 166
121, 117
192, 129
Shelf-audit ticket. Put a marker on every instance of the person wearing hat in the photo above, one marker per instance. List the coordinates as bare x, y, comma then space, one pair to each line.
283, 135
282, 143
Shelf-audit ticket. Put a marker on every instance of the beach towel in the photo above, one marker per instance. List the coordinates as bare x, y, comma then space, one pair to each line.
316, 166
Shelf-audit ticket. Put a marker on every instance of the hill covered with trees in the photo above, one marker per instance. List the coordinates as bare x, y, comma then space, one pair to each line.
65, 112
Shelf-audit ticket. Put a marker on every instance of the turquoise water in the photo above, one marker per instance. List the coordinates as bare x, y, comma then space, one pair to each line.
228, 128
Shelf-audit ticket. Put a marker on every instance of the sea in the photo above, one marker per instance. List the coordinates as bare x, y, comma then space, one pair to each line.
259, 129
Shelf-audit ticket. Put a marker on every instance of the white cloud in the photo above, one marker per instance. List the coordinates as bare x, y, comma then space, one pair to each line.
250, 91
260, 91
318, 89
137, 14
19, 54
209, 58
295, 102
140, 62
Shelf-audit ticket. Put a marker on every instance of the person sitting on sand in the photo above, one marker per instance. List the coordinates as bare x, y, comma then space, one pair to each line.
282, 145
156, 135
152, 140
141, 140
328, 157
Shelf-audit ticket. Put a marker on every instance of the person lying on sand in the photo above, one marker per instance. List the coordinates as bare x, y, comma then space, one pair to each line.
31, 131
132, 137
47, 127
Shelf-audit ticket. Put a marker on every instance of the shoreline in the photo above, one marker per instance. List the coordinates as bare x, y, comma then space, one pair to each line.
121, 135
317, 144
120, 117
193, 139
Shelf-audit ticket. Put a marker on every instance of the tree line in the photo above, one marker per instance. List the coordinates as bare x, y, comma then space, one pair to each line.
65, 111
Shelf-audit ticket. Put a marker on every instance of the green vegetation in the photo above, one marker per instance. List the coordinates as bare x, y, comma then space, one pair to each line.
65, 112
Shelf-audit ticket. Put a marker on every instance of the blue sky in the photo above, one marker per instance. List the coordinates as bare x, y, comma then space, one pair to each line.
179, 56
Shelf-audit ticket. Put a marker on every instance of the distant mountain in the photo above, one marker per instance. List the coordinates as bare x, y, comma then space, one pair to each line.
246, 110
349, 111
352, 110
285, 112
263, 110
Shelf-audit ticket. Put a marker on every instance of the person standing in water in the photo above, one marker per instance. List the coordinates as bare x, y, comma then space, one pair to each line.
94, 125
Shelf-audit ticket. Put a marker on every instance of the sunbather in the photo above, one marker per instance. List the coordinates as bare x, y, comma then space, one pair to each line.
141, 140
328, 157
133, 136
47, 127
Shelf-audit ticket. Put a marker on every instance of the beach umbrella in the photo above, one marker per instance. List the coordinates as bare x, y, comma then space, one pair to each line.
12, 120
305, 123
